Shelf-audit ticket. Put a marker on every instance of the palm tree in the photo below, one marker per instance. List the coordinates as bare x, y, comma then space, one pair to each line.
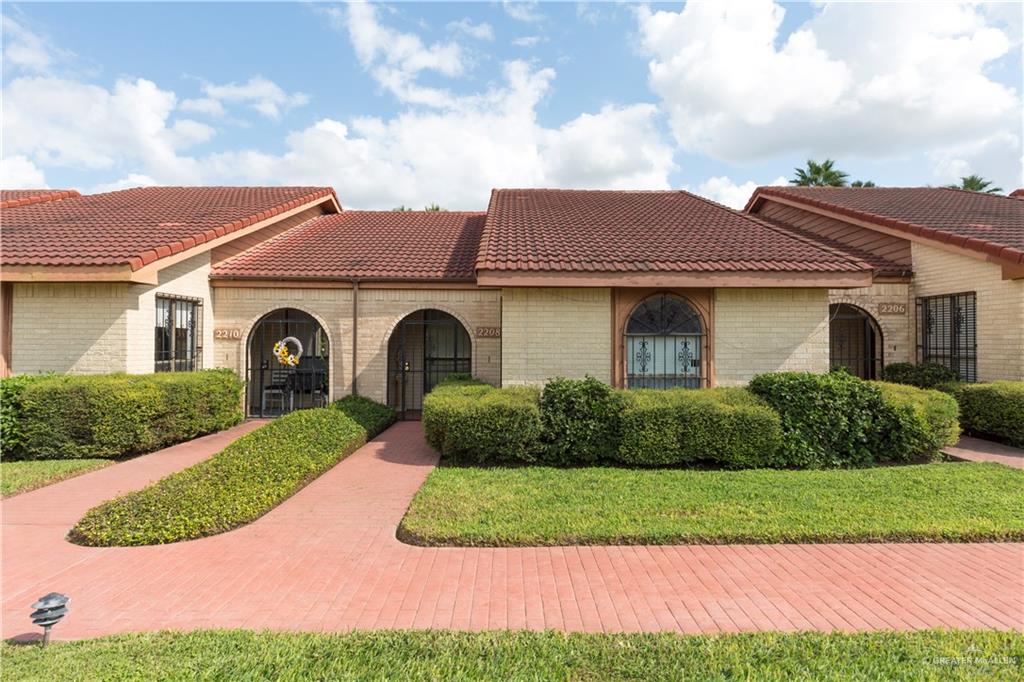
862, 183
976, 183
823, 174
433, 207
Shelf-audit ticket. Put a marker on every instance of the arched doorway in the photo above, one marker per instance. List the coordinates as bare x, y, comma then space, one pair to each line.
424, 348
855, 341
278, 382
664, 339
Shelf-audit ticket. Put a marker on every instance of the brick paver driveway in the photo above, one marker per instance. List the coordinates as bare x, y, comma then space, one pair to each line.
327, 559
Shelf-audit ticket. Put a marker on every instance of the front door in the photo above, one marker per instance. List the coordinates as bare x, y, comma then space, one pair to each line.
426, 347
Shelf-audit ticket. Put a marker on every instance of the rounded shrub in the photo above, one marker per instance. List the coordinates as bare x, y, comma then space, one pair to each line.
475, 423
726, 426
993, 410
917, 423
581, 420
828, 420
923, 375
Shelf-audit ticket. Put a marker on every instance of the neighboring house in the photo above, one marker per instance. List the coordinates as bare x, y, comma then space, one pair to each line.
960, 299
650, 289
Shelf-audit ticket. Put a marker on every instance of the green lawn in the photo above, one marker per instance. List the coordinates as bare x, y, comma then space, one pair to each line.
958, 502
437, 655
19, 477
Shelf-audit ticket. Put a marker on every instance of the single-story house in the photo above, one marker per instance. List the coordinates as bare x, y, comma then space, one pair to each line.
309, 302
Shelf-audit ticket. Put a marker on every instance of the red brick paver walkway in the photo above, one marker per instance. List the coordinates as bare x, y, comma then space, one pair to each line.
978, 450
327, 559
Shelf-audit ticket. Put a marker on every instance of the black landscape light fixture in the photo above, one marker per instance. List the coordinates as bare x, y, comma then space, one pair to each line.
48, 612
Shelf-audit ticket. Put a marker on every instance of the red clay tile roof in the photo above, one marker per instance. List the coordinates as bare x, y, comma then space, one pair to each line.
989, 223
371, 245
880, 264
1017, 193
138, 226
9, 198
626, 231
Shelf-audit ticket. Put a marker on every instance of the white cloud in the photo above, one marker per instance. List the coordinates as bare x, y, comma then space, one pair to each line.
522, 11
27, 50
203, 105
528, 41
395, 59
873, 80
259, 93
65, 123
725, 191
18, 172
127, 182
455, 156
452, 153
481, 31
616, 148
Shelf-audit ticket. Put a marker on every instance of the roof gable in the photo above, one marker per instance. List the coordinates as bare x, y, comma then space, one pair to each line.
367, 245
134, 228
985, 223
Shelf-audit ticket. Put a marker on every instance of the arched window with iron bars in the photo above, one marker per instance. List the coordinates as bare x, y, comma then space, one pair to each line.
664, 344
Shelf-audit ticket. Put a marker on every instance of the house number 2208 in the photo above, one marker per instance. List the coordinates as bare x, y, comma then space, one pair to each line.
488, 332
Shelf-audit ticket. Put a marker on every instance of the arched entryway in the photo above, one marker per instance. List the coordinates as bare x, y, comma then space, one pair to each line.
855, 341
288, 364
424, 348
664, 340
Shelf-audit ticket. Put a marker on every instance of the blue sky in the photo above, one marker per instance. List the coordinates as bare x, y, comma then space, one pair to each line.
438, 102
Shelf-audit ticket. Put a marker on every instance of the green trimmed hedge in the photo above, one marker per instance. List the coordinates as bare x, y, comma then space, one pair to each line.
994, 410
784, 420
726, 426
113, 415
12, 436
922, 375
918, 424
580, 420
827, 419
369, 414
474, 423
234, 487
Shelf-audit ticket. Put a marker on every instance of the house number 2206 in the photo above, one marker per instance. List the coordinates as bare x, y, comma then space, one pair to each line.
892, 308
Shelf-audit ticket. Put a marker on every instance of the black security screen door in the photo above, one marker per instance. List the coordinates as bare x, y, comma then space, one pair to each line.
855, 341
663, 344
274, 388
427, 346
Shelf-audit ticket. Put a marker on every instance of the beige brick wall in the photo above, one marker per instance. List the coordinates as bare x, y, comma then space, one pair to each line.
767, 330
549, 332
1000, 323
79, 328
190, 277
896, 329
380, 311
93, 328
242, 308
